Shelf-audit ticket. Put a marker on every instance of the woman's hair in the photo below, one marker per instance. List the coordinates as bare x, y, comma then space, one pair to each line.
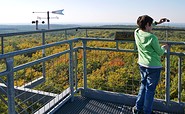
143, 20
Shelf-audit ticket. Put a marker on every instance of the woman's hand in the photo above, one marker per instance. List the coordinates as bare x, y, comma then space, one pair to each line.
165, 46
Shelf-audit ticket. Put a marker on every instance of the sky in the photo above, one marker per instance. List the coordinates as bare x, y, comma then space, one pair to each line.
90, 11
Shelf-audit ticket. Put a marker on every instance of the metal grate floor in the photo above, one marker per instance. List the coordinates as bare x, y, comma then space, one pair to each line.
83, 105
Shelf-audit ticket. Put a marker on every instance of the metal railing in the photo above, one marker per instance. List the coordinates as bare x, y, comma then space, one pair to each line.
41, 83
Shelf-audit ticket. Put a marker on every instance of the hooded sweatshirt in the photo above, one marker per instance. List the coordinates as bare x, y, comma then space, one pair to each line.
149, 50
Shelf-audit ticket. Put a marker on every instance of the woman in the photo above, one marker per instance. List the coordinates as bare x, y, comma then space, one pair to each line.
149, 52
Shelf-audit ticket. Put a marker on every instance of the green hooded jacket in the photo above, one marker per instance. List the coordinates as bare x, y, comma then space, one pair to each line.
149, 50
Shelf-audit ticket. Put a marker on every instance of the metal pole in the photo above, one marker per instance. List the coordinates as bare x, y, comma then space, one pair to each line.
86, 33
166, 32
66, 34
37, 24
2, 45
179, 78
76, 68
71, 71
117, 45
48, 20
85, 65
43, 55
167, 76
10, 84
135, 47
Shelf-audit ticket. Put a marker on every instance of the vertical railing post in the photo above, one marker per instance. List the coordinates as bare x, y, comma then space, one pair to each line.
65, 34
10, 86
166, 32
135, 47
86, 34
117, 45
167, 76
179, 78
76, 68
85, 64
2, 45
71, 73
43, 55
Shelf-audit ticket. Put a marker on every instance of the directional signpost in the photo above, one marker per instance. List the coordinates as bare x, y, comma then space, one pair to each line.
48, 17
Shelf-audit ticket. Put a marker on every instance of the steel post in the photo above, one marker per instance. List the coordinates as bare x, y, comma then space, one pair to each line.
179, 78
43, 55
85, 64
86, 34
167, 76
71, 73
48, 20
66, 34
76, 68
2, 45
10, 84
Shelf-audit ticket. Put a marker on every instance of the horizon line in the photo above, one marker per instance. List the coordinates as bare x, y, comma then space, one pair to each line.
85, 23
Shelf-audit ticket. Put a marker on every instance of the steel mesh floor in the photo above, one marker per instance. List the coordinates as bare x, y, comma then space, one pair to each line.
83, 105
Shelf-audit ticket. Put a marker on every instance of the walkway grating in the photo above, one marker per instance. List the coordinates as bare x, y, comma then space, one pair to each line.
84, 105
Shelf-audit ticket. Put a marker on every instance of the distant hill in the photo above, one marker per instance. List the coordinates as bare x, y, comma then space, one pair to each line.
23, 28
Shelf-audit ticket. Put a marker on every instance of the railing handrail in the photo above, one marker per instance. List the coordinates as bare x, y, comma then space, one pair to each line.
19, 52
107, 39
28, 50
36, 48
76, 28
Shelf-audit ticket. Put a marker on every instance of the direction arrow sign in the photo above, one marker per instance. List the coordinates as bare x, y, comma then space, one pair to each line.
58, 12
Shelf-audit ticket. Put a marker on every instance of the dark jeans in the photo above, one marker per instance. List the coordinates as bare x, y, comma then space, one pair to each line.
149, 80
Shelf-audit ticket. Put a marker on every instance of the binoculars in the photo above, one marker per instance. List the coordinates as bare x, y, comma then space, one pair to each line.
166, 20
